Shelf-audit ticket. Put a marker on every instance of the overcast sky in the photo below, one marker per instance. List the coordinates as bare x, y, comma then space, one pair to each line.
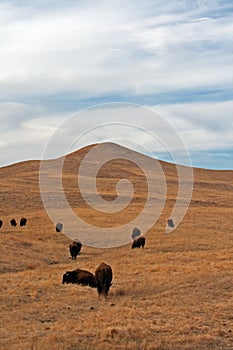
175, 57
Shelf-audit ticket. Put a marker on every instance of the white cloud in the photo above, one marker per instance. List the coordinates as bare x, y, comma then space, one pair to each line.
24, 131
203, 126
106, 47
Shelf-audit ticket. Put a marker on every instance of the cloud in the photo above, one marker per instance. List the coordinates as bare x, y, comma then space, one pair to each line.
203, 126
92, 49
212, 116
24, 131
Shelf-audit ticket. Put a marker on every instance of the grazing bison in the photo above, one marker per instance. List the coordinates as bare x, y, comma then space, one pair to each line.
59, 227
136, 233
13, 222
140, 242
79, 276
170, 223
75, 248
1, 222
103, 277
23, 222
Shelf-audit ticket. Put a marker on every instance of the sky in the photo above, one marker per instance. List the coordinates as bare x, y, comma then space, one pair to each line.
175, 58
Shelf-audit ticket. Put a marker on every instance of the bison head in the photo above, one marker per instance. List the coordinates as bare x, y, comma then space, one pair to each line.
134, 244
69, 277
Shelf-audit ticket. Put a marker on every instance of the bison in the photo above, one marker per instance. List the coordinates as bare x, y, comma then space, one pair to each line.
59, 227
23, 222
170, 223
140, 242
103, 277
75, 248
79, 276
1, 223
136, 233
13, 222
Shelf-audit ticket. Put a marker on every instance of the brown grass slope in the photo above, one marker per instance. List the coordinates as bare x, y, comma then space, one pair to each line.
176, 294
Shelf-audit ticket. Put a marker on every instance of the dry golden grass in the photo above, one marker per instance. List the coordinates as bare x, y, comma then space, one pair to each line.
176, 294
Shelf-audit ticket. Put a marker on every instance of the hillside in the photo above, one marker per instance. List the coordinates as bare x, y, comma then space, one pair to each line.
177, 293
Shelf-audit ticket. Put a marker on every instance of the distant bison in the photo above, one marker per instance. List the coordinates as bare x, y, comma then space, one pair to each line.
75, 248
13, 222
79, 276
1, 222
23, 222
103, 277
136, 233
59, 227
170, 223
140, 242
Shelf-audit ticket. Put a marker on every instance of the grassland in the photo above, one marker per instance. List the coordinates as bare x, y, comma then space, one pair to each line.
177, 293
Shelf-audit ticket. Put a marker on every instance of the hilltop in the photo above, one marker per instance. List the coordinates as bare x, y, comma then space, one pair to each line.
176, 294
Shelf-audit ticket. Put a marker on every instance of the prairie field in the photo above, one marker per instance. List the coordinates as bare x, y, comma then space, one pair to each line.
176, 293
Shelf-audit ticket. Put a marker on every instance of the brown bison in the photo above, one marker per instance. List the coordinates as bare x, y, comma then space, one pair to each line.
103, 277
59, 227
75, 248
13, 222
23, 222
140, 242
79, 276
170, 223
1, 222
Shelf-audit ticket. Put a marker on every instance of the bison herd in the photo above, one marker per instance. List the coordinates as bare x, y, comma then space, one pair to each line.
102, 280
13, 222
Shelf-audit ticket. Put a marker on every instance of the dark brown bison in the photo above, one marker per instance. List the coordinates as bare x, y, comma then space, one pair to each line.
75, 248
1, 223
79, 276
13, 222
170, 223
103, 277
23, 222
59, 227
140, 242
136, 233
